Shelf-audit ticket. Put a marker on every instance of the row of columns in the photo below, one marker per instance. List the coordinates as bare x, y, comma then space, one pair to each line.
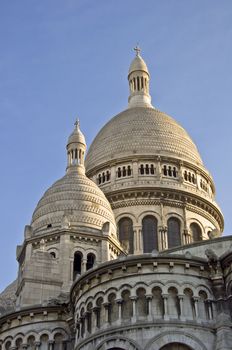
83, 326
186, 238
37, 346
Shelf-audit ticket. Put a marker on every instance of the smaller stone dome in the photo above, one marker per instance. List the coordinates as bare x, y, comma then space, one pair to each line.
74, 200
138, 64
76, 136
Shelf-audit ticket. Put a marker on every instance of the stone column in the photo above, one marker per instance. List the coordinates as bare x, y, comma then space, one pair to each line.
83, 265
181, 299
162, 238
135, 169
133, 299
165, 299
112, 174
106, 306
65, 258
196, 299
149, 298
209, 304
50, 344
78, 329
37, 345
137, 240
119, 302
94, 319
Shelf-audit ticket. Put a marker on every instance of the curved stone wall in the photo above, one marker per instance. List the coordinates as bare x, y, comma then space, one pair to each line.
142, 297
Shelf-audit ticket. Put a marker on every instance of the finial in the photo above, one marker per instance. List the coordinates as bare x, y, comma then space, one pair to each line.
137, 50
77, 123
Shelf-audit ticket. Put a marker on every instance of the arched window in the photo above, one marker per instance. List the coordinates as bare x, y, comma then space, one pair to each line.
31, 342
100, 312
90, 261
157, 303
141, 303
19, 344
119, 172
150, 234
147, 169
7, 345
44, 342
188, 304
107, 175
174, 172
127, 307
174, 239
126, 234
58, 342
89, 317
195, 232
142, 169
202, 306
173, 303
175, 346
77, 264
112, 308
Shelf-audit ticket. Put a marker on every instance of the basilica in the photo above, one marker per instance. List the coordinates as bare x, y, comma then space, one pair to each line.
125, 251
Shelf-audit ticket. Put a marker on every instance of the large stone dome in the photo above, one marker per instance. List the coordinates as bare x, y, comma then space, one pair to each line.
141, 131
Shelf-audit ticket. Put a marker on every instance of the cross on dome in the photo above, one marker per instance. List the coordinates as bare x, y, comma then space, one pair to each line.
77, 123
137, 50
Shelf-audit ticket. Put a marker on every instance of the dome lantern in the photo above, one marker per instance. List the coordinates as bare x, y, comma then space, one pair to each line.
76, 148
138, 78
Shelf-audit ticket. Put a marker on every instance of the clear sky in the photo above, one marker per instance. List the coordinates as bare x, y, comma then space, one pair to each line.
62, 59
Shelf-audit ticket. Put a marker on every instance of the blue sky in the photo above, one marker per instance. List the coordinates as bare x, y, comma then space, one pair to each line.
63, 59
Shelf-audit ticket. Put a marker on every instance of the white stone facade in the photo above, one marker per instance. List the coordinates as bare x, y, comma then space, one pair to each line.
129, 256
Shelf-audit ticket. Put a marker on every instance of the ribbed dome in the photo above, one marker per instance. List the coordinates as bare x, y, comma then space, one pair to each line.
138, 64
74, 200
141, 131
76, 135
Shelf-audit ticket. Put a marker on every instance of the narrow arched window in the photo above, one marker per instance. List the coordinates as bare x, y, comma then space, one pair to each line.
134, 84
174, 172
44, 342
129, 170
58, 342
193, 178
150, 234
185, 175
90, 261
165, 170
138, 83
173, 232
107, 175
77, 264
169, 171
124, 171
147, 169
142, 169
103, 177
126, 234
196, 232
152, 169
142, 83
99, 179
119, 172
189, 177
